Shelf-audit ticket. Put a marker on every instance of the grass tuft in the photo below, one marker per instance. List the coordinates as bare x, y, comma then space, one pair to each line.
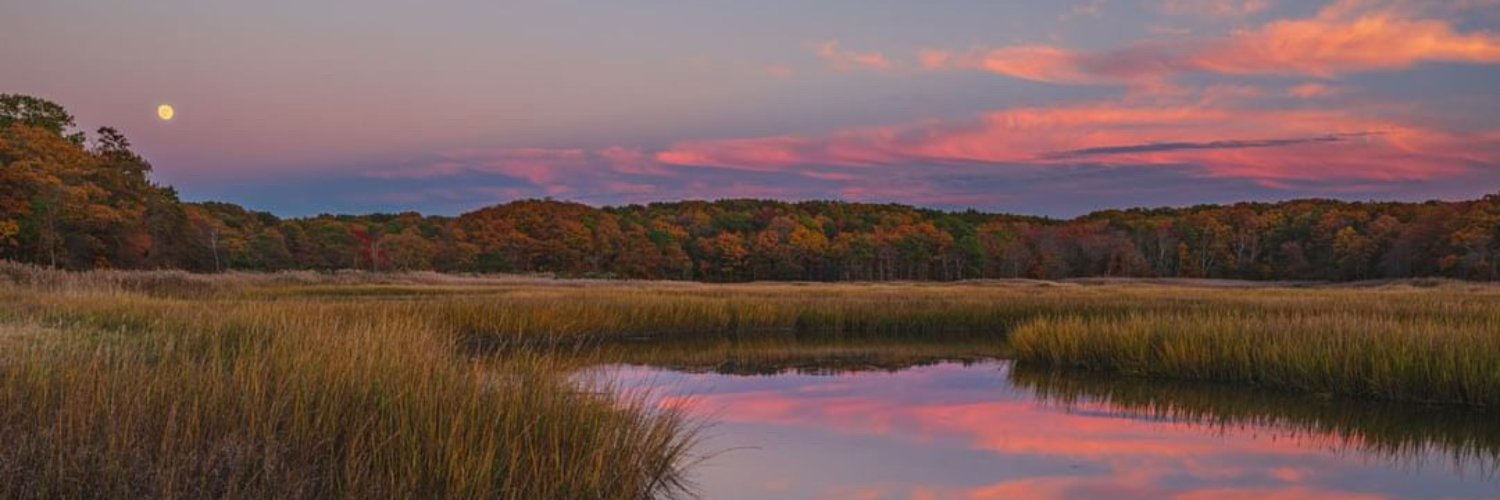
1367, 354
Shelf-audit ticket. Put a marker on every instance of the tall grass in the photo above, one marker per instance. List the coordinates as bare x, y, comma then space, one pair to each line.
727, 313
183, 284
162, 384
115, 395
771, 356
1380, 355
1407, 433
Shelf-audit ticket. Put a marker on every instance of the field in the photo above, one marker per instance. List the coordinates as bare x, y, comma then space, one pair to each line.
165, 384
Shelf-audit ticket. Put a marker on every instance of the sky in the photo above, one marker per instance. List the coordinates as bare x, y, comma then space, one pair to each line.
1046, 107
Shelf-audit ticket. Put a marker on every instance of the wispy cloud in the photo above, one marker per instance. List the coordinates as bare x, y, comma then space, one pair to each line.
845, 60
1089, 8
1315, 90
1221, 141
1158, 147
1167, 133
1346, 37
1115, 151
1213, 8
556, 171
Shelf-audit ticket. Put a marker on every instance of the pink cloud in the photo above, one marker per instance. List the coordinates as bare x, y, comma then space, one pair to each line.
1315, 90
1347, 37
1294, 493
631, 161
1266, 145
536, 165
428, 171
1213, 8
1220, 133
766, 153
547, 168
830, 176
845, 60
539, 166
1224, 131
1140, 65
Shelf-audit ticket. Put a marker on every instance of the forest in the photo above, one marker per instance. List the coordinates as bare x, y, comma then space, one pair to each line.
72, 201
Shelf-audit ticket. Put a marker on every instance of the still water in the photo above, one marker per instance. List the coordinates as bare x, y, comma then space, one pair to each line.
984, 429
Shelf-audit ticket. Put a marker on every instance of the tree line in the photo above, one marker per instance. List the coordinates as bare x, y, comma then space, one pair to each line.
70, 201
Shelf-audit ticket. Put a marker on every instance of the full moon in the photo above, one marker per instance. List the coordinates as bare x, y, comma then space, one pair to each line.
165, 112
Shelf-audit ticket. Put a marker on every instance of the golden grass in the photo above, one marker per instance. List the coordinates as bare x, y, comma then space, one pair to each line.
164, 384
1402, 432
126, 396
1444, 354
777, 356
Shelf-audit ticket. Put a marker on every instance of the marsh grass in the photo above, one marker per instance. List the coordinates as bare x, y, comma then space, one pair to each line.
775, 356
115, 395
1412, 434
182, 284
1398, 354
356, 385
610, 313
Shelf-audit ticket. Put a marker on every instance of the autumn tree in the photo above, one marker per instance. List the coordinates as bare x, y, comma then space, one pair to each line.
69, 202
39, 113
45, 194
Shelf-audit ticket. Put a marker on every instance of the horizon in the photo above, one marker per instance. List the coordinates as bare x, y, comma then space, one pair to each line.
596, 206
1049, 109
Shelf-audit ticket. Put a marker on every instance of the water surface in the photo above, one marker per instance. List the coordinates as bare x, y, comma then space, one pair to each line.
983, 429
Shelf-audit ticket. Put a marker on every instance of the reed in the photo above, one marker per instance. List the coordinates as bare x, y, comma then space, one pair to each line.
771, 356
1390, 355
734, 313
119, 395
1411, 434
